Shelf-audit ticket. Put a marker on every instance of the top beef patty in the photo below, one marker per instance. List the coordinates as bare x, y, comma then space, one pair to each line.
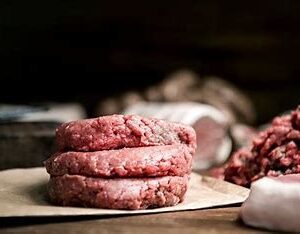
119, 131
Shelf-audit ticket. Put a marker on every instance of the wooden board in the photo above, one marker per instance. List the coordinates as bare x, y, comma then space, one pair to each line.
219, 220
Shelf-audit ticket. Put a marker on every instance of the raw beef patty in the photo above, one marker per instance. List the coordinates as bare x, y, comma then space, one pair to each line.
119, 131
74, 190
173, 160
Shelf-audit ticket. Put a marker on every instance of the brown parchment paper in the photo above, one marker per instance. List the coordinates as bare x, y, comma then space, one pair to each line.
23, 193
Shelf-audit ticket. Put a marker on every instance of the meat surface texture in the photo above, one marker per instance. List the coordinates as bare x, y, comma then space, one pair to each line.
142, 193
121, 162
273, 204
210, 124
274, 152
120, 131
172, 160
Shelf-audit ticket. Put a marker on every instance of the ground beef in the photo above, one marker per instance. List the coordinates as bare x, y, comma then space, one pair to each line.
74, 190
121, 162
172, 160
119, 131
274, 152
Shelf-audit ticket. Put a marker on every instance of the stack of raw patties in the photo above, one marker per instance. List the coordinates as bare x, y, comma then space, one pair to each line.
121, 162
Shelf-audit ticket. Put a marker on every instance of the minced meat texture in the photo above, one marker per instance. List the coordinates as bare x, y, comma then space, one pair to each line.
274, 152
119, 131
121, 162
172, 160
130, 193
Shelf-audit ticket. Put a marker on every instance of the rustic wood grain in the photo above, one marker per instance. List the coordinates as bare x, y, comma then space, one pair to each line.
219, 220
26, 144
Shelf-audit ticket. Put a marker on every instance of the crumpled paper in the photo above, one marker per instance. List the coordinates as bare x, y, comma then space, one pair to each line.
23, 193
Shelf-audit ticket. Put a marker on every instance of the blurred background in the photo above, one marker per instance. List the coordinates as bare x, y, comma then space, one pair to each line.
106, 55
84, 51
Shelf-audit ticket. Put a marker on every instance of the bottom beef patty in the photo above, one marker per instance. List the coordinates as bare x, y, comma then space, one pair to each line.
130, 193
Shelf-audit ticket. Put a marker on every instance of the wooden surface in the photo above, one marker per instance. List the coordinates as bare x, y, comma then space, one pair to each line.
26, 144
218, 220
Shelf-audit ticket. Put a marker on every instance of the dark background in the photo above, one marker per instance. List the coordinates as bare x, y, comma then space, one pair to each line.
63, 50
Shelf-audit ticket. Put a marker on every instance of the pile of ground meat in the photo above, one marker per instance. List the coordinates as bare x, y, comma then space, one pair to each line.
274, 152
